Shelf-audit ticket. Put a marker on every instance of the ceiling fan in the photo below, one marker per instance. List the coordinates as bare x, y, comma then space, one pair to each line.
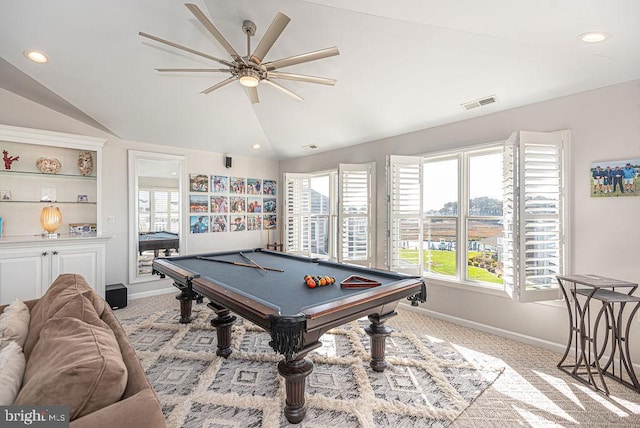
250, 70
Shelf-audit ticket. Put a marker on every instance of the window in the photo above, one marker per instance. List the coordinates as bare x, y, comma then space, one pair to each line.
440, 215
159, 210
490, 216
329, 214
322, 211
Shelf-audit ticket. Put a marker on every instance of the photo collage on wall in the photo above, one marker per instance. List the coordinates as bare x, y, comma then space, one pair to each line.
220, 203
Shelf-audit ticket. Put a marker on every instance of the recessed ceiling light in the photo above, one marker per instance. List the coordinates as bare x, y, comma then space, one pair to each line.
36, 56
594, 37
256, 146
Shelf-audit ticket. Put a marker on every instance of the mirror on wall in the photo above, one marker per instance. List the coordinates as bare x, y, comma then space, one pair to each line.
156, 192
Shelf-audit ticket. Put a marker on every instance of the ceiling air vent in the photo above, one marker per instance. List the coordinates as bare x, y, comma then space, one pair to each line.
310, 147
479, 103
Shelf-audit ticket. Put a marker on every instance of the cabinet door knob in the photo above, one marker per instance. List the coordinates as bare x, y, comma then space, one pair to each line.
44, 254
55, 253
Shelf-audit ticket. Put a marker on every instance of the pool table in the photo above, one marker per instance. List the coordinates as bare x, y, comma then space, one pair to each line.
157, 241
278, 300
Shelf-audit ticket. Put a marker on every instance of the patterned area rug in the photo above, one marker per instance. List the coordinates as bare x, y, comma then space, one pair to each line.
428, 384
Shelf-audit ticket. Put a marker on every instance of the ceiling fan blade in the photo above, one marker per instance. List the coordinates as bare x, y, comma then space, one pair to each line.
299, 59
193, 70
283, 89
184, 48
273, 32
214, 32
301, 78
253, 95
219, 85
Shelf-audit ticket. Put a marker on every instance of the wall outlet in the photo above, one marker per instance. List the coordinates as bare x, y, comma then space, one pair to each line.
111, 219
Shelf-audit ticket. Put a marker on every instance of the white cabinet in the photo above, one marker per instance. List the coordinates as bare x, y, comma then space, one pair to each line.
24, 273
28, 267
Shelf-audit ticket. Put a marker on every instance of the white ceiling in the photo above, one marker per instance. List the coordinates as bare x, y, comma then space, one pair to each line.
404, 65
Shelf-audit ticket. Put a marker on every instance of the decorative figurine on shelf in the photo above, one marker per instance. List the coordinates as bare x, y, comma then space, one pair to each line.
85, 163
48, 165
8, 160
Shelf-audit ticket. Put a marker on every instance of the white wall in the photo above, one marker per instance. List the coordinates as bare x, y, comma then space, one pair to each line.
18, 111
605, 125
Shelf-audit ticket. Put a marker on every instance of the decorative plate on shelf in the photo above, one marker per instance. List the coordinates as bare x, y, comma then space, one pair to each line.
48, 165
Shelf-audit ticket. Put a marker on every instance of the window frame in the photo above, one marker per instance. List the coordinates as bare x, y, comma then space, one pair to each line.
294, 205
519, 291
331, 216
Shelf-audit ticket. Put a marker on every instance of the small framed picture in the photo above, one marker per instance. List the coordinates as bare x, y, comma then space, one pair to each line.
82, 229
5, 195
198, 183
83, 198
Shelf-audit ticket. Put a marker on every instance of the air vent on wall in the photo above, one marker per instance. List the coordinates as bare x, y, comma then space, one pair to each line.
479, 103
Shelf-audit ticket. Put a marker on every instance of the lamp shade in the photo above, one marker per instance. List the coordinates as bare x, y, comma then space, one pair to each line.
50, 218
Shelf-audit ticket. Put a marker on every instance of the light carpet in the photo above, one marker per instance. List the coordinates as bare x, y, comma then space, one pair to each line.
429, 382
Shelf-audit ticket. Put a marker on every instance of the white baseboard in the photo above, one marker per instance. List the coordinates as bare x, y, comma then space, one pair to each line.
143, 294
523, 338
518, 337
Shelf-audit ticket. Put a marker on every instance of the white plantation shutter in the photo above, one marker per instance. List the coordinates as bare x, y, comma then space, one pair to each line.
537, 216
355, 213
174, 212
404, 174
158, 210
297, 213
510, 220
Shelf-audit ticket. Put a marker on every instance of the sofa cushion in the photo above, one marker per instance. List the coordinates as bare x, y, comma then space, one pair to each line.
14, 322
57, 296
74, 363
12, 365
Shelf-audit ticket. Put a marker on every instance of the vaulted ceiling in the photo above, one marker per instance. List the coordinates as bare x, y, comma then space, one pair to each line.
403, 65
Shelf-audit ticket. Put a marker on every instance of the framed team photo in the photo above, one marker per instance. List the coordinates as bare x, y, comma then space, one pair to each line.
616, 178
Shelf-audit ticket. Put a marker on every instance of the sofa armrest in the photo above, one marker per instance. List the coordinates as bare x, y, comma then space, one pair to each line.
139, 410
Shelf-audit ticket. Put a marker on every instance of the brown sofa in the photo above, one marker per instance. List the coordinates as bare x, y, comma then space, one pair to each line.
78, 355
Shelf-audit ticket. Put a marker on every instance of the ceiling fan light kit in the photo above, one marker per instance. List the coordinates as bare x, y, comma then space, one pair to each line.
250, 70
248, 77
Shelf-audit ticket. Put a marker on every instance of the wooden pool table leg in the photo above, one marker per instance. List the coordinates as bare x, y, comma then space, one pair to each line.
295, 374
378, 333
223, 322
186, 298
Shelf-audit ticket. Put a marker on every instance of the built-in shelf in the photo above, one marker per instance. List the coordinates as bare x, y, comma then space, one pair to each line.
49, 202
25, 190
43, 175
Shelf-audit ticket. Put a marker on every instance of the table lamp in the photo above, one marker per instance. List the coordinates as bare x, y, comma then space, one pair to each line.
50, 220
